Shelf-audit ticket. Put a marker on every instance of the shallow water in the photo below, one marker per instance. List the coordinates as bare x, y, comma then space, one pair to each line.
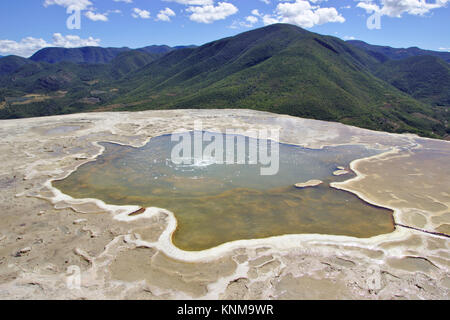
62, 129
217, 203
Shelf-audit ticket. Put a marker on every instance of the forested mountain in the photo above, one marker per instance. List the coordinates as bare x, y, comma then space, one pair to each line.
279, 68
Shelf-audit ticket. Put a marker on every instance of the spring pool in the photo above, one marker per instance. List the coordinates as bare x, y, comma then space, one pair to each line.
217, 203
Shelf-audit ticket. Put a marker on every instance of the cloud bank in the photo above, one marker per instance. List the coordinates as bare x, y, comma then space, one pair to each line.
396, 8
303, 14
29, 45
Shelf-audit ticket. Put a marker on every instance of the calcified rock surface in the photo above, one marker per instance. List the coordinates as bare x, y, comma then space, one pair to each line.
340, 172
44, 233
307, 184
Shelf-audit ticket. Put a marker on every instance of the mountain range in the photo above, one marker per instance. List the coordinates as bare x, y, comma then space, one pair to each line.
95, 55
279, 68
397, 53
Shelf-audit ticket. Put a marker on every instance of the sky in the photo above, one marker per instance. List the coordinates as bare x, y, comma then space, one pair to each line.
27, 26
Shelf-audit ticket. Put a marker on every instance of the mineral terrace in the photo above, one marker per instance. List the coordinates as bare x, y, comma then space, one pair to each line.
45, 235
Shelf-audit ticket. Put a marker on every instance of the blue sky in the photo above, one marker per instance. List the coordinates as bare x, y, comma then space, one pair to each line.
29, 25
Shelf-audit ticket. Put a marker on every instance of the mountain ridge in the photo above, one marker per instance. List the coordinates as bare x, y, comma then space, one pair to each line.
93, 55
279, 68
397, 53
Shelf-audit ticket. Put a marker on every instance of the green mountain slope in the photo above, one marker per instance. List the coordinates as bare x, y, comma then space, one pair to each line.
283, 69
130, 61
11, 64
426, 78
155, 49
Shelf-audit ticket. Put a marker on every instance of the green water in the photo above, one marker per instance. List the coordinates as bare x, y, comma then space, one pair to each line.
217, 203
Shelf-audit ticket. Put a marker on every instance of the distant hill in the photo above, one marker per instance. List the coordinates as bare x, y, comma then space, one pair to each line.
384, 53
425, 78
29, 76
11, 64
185, 47
63, 87
156, 49
162, 49
92, 55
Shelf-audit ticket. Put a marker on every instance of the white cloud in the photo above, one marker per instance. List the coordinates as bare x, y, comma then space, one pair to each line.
164, 15
249, 22
79, 4
368, 6
211, 13
96, 16
193, 2
444, 49
126, 1
303, 14
83, 5
139, 13
252, 19
269, 19
348, 38
71, 41
27, 46
396, 8
255, 12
